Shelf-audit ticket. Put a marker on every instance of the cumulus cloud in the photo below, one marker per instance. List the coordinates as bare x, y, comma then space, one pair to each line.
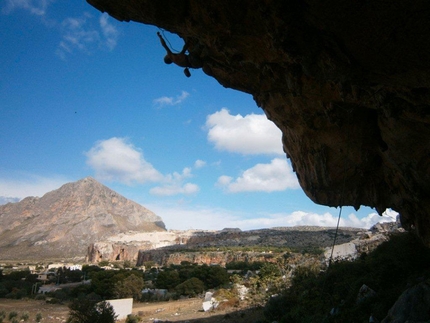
29, 185
252, 134
35, 7
275, 176
165, 100
372, 218
183, 217
79, 34
174, 184
199, 163
115, 159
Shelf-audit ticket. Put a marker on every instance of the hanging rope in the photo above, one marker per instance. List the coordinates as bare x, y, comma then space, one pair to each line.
335, 236
340, 214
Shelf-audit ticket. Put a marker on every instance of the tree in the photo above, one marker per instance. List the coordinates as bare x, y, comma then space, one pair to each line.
211, 276
269, 270
90, 311
217, 276
130, 286
190, 287
168, 279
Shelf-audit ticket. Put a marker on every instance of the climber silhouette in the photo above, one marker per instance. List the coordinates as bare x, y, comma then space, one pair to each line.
181, 59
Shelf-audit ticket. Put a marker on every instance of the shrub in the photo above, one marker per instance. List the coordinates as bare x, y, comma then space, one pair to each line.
190, 287
53, 301
89, 311
104, 263
24, 316
131, 318
40, 297
38, 317
12, 315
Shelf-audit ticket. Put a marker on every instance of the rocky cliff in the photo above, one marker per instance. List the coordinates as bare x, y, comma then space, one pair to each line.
348, 83
62, 223
176, 246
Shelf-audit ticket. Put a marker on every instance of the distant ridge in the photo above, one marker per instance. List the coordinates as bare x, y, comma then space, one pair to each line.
64, 222
8, 199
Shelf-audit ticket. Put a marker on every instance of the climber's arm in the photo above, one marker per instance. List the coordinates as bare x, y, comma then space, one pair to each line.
163, 43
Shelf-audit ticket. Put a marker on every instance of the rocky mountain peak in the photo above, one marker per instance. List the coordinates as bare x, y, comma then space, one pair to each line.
65, 221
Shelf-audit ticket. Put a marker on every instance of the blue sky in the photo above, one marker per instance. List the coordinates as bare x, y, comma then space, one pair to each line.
82, 94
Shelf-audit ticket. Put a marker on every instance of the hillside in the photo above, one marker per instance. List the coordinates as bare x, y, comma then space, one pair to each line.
64, 222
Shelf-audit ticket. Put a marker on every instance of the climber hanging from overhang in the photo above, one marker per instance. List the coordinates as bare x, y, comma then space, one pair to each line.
181, 59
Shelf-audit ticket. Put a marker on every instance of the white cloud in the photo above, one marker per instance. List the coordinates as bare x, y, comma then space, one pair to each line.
175, 189
171, 100
79, 34
373, 218
173, 184
252, 134
115, 159
35, 7
109, 31
183, 217
276, 176
199, 163
30, 185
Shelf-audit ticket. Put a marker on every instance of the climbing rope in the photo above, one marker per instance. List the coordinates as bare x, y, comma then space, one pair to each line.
335, 236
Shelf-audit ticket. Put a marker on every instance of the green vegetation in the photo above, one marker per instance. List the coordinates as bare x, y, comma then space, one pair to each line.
91, 311
236, 249
12, 315
104, 263
400, 262
244, 265
131, 318
24, 316
191, 287
210, 276
130, 286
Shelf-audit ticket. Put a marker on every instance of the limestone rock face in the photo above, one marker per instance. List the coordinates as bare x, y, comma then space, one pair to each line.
348, 84
63, 222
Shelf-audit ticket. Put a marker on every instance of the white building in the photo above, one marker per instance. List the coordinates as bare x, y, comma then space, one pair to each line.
122, 307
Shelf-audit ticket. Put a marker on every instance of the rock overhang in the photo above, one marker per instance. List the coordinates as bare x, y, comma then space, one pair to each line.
348, 84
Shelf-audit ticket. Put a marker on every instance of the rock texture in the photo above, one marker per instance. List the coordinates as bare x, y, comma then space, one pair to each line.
412, 306
126, 246
160, 246
225, 245
348, 83
63, 222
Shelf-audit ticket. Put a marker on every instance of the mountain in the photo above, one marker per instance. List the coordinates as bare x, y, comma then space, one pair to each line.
64, 222
8, 199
